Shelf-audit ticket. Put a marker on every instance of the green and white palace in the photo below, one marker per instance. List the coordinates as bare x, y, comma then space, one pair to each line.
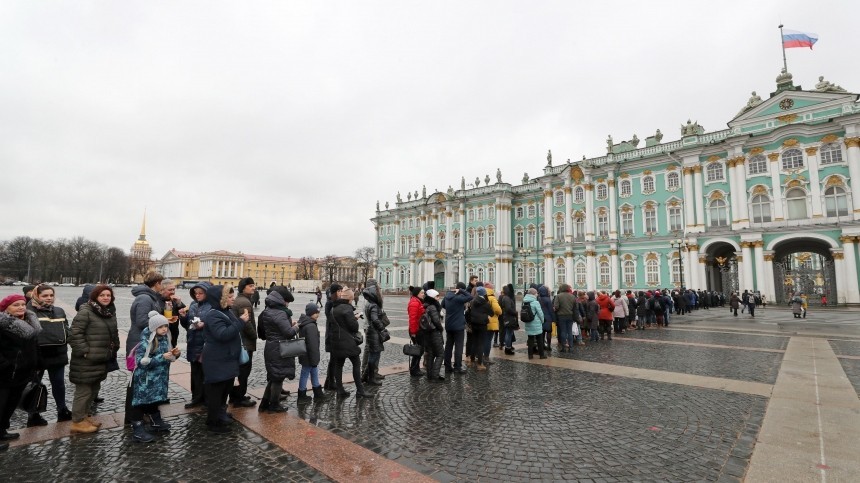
767, 205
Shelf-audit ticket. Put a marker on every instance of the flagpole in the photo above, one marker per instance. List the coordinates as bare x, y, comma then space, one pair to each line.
782, 43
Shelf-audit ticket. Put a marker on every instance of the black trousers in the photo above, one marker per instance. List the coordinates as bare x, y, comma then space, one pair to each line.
454, 346
238, 392
356, 372
216, 399
197, 389
174, 333
136, 413
415, 361
478, 334
9, 397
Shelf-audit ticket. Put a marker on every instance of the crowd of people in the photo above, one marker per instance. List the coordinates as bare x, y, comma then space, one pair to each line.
222, 334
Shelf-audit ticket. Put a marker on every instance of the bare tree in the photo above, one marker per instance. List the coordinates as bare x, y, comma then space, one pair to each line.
329, 263
306, 269
365, 258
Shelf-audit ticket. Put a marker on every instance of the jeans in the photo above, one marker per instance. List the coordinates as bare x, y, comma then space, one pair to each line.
595, 335
454, 342
373, 358
565, 330
618, 324
752, 309
488, 341
84, 395
509, 338
313, 373
666, 313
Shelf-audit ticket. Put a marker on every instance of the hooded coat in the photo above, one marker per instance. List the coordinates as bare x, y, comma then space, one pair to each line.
546, 305
277, 322
620, 310
433, 341
150, 381
373, 322
194, 337
145, 300
18, 348
493, 323
592, 311
344, 326
454, 304
414, 309
94, 342
249, 330
310, 332
606, 307
510, 317
535, 327
85, 296
221, 331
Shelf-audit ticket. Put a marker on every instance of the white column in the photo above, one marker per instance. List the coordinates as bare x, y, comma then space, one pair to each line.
589, 210
614, 278
693, 278
613, 214
699, 196
549, 271
841, 276
568, 209
733, 190
747, 273
853, 145
396, 237
769, 288
461, 269
568, 268
702, 268
436, 230
740, 197
689, 198
849, 247
462, 212
814, 182
760, 284
776, 187
590, 275
422, 224
548, 231
449, 234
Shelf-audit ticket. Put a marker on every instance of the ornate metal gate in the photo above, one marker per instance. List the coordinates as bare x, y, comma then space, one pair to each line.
728, 270
805, 272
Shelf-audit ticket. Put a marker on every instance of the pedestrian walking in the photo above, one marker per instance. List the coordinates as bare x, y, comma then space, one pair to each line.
94, 341
734, 303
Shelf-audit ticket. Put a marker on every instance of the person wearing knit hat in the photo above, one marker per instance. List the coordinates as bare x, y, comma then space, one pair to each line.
19, 332
11, 299
151, 376
309, 331
332, 294
311, 309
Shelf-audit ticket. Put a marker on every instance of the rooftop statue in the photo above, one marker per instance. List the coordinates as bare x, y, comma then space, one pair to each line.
525, 178
487, 180
549, 157
609, 144
463, 183
634, 141
498, 175
754, 100
691, 129
450, 191
386, 205
377, 205
658, 136
477, 181
408, 196
416, 194
824, 86
423, 191
399, 199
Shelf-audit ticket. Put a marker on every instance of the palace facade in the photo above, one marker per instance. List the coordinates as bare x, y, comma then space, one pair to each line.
765, 205
221, 267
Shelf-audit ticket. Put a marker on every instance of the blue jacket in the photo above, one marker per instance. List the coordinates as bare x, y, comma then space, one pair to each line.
546, 305
195, 337
150, 381
535, 327
454, 304
223, 339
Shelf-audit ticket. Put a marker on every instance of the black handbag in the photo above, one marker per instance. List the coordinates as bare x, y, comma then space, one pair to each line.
34, 399
413, 350
359, 339
293, 348
383, 317
384, 335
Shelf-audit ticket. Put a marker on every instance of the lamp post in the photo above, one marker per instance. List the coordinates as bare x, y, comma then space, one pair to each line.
458, 256
525, 253
330, 267
680, 243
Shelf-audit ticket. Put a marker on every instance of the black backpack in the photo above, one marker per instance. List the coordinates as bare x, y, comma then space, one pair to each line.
658, 307
526, 313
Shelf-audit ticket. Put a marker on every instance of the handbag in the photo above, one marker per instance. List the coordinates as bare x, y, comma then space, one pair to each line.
358, 338
383, 317
384, 336
112, 364
243, 356
293, 348
413, 350
34, 399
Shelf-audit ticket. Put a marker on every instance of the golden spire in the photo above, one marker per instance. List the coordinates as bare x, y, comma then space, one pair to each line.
143, 228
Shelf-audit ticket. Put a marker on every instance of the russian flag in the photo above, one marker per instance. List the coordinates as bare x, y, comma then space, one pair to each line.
793, 38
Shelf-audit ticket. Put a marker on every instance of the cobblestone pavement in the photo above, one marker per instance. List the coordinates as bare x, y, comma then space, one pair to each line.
702, 361
846, 347
708, 337
188, 453
519, 422
852, 370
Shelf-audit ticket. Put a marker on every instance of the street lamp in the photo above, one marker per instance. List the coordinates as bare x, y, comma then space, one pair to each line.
525, 253
458, 256
680, 243
330, 267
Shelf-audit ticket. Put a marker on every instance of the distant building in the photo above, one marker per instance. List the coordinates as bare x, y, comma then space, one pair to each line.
220, 267
140, 259
766, 205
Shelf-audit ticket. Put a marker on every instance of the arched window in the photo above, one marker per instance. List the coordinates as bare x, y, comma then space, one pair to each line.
519, 212
491, 213
456, 240
627, 222
578, 194
559, 228
714, 172
579, 228
792, 159
652, 272
830, 153
760, 209
625, 188
480, 273
673, 181
403, 248
491, 274
559, 273
480, 238
480, 213
629, 270
532, 239
676, 271
579, 273
520, 276
520, 238
559, 198
648, 184
649, 215
795, 201
718, 210
532, 274
675, 219
757, 164
531, 211
602, 224
470, 270
601, 191
428, 240
604, 272
441, 238
491, 237
836, 201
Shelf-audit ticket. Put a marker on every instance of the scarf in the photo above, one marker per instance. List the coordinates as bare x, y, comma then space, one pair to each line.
37, 306
106, 311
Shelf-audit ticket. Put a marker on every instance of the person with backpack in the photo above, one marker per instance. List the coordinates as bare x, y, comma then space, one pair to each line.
415, 309
509, 317
641, 311
532, 316
656, 307
430, 325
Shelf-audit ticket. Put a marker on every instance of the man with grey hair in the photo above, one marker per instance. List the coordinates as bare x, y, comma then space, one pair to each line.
177, 308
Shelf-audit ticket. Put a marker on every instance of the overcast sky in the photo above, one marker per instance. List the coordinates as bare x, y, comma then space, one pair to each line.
273, 127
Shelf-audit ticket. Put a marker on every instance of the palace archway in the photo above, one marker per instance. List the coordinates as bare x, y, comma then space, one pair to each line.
721, 269
804, 265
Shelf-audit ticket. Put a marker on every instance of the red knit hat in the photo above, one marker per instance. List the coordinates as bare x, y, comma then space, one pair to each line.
9, 300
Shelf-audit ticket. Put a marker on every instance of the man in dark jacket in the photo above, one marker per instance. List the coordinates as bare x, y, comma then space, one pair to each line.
455, 325
244, 303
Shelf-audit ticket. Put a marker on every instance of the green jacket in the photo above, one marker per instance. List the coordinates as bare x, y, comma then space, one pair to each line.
94, 342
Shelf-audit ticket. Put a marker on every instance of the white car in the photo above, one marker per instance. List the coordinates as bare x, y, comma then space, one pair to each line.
19, 283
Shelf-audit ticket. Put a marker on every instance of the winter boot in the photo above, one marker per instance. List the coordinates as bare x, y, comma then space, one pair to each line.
64, 415
376, 375
303, 397
434, 374
319, 395
83, 426
139, 434
158, 424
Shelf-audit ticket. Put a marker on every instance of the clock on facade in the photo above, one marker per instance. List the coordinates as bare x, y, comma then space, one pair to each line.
786, 104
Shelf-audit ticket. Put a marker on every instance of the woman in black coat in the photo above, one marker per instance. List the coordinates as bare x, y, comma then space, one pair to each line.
53, 350
343, 344
277, 320
19, 331
221, 353
432, 335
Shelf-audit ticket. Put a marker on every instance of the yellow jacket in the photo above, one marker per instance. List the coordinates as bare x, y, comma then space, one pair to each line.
493, 324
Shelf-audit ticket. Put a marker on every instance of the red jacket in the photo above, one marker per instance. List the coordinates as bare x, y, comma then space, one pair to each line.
606, 307
415, 309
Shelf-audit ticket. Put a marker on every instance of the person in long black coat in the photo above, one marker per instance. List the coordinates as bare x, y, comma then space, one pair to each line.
343, 344
221, 353
277, 319
332, 293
